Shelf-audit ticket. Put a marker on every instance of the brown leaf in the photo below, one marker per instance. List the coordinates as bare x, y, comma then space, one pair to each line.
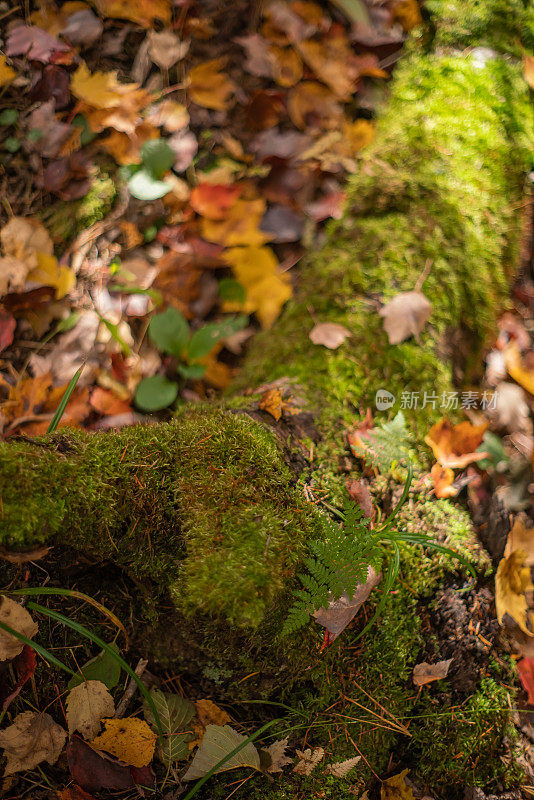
94, 771
54, 84
426, 673
283, 224
405, 315
7, 326
257, 60
55, 134
24, 665
342, 768
455, 445
208, 86
308, 760
24, 557
277, 754
166, 48
329, 334
210, 714
14, 615
340, 612
86, 705
31, 739
359, 492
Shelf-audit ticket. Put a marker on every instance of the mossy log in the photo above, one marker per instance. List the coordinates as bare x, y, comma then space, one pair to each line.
209, 509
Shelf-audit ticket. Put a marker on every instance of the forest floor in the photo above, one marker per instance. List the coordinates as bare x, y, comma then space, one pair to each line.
163, 171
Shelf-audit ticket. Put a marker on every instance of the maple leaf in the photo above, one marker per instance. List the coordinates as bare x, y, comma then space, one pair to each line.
208, 86
240, 226
98, 89
455, 445
256, 268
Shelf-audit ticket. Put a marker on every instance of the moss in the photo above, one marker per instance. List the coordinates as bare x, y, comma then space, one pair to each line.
66, 220
504, 25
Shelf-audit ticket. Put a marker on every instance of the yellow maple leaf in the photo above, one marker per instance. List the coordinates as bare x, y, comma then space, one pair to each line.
240, 226
50, 273
53, 19
7, 73
517, 370
130, 740
208, 86
512, 580
256, 268
144, 12
98, 89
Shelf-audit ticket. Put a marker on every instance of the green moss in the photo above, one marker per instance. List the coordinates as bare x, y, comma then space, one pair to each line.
66, 220
504, 25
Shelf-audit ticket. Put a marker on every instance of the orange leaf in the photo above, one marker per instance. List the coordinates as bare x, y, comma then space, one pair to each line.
240, 226
105, 402
516, 368
213, 200
443, 478
525, 668
455, 445
528, 70
144, 12
208, 86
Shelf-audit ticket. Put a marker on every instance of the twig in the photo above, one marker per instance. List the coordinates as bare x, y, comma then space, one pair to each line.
130, 689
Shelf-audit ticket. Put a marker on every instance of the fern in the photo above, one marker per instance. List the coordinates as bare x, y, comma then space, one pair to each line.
340, 560
386, 444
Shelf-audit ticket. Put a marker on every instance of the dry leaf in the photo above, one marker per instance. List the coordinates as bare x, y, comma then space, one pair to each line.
512, 581
49, 273
329, 334
308, 760
443, 479
171, 115
208, 86
342, 768
7, 73
14, 615
426, 673
130, 740
525, 669
312, 105
340, 612
213, 200
219, 741
273, 402
331, 60
405, 315
455, 445
31, 739
144, 12
87, 704
166, 48
210, 714
277, 753
286, 66
396, 788
516, 369
239, 226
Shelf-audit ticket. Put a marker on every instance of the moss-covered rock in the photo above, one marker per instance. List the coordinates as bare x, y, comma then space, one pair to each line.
66, 220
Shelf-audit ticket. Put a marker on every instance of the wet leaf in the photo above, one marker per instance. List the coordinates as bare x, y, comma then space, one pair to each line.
427, 673
455, 445
31, 739
129, 739
329, 334
405, 315
14, 615
216, 743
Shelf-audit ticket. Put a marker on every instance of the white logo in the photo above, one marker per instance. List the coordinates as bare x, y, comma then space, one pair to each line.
384, 399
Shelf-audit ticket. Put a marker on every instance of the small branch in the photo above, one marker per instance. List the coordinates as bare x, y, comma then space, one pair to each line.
130, 689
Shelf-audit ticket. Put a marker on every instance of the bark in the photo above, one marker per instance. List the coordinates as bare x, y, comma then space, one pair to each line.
208, 508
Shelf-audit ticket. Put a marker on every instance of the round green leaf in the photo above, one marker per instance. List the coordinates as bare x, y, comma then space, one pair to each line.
191, 371
155, 393
9, 116
102, 668
12, 144
169, 331
232, 291
144, 186
158, 156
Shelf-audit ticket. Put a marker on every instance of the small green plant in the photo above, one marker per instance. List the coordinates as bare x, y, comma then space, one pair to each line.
170, 332
56, 419
145, 182
339, 561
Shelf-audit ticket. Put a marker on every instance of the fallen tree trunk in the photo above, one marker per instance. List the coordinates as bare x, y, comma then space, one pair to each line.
208, 508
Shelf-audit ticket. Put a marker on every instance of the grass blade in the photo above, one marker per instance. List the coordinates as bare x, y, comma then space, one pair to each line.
64, 400
37, 647
408, 482
393, 571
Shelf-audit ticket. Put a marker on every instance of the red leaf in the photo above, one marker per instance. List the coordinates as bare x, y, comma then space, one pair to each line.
95, 771
7, 329
24, 665
525, 668
143, 776
74, 793
213, 200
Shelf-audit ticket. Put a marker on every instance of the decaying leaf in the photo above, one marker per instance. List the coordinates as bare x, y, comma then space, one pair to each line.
31, 739
342, 768
405, 315
455, 445
329, 334
166, 48
14, 615
396, 788
272, 401
96, 772
340, 612
144, 12
87, 704
277, 753
130, 740
512, 581
216, 743
209, 713
308, 760
426, 673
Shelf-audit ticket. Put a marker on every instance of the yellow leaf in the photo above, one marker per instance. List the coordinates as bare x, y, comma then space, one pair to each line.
7, 73
208, 86
23, 237
396, 788
286, 65
511, 582
407, 13
267, 288
516, 370
210, 714
99, 89
144, 12
53, 19
50, 273
130, 740
171, 115
240, 226
358, 135
331, 62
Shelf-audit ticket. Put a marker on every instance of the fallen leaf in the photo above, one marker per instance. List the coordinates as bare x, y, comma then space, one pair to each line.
273, 402
340, 612
342, 768
525, 669
257, 60
103, 668
106, 402
98, 89
407, 12
277, 754
308, 760
87, 704
24, 557
286, 66
169, 114
239, 226
405, 315
175, 714
55, 134
24, 665
208, 86
74, 793
282, 224
14, 615
129, 739
256, 268
50, 273
331, 60
34, 43
82, 28
22, 238
443, 479
210, 713
7, 326
528, 70
7, 73
166, 48
214, 200
329, 334
216, 743
396, 788
517, 369
31, 739
512, 581
311, 105
509, 410
94, 771
144, 13
455, 445
426, 673
359, 492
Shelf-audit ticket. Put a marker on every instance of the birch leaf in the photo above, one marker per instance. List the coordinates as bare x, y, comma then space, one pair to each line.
87, 704
216, 743
175, 713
